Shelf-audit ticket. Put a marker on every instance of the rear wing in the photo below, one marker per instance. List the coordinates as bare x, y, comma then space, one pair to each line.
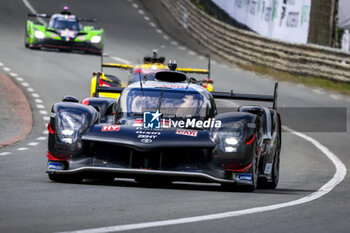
193, 71
39, 15
129, 67
249, 97
87, 20
117, 65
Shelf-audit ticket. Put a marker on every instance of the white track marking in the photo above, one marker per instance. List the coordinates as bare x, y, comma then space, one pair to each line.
174, 43
25, 84
35, 95
45, 132
31, 8
20, 79
183, 48
134, 5
30, 89
13, 74
38, 101
33, 143
166, 37
159, 31
43, 112
41, 138
141, 12
1, 64
4, 153
6, 69
146, 18
40, 106
118, 59
326, 188
152, 24
22, 148
46, 118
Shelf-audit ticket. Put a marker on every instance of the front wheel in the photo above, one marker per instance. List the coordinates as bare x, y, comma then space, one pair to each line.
275, 169
255, 170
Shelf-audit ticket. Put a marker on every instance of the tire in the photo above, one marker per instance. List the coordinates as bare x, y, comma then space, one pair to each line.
255, 174
275, 169
65, 178
25, 36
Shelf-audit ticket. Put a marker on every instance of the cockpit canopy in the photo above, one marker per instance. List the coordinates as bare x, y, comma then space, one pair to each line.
174, 103
61, 22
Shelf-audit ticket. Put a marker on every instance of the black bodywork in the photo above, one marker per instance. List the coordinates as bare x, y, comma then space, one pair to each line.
106, 139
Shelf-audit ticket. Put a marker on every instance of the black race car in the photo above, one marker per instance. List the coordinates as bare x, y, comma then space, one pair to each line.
165, 130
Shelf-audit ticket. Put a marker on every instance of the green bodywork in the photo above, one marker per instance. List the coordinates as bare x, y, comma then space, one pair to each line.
86, 34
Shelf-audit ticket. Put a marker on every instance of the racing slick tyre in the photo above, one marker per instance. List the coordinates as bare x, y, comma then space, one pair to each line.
250, 187
275, 169
25, 36
255, 170
65, 178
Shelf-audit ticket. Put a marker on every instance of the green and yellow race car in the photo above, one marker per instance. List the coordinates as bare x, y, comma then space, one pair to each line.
64, 32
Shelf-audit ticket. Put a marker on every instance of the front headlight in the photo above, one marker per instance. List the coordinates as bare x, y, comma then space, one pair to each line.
231, 141
39, 34
70, 125
228, 138
96, 39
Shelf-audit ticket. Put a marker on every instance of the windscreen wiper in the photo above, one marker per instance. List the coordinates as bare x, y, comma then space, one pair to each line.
160, 100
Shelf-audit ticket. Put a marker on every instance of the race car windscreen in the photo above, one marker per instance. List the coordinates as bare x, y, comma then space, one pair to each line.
171, 103
61, 24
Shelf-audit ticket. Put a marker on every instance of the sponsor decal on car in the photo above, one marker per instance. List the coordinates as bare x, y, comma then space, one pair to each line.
268, 168
243, 178
187, 132
67, 33
146, 140
151, 120
147, 134
55, 166
138, 122
109, 128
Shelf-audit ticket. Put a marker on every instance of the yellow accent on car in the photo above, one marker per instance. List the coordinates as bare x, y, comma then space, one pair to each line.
103, 94
190, 70
117, 65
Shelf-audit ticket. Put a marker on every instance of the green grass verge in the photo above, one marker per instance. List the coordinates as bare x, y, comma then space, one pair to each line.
198, 5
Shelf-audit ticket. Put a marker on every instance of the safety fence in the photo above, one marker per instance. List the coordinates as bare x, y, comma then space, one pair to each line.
245, 47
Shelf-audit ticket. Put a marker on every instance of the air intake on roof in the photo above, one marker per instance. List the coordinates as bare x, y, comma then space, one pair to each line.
170, 76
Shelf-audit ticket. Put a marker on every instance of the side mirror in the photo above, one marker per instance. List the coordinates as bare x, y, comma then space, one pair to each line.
69, 98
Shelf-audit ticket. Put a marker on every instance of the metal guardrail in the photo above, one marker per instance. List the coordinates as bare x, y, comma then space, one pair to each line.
244, 47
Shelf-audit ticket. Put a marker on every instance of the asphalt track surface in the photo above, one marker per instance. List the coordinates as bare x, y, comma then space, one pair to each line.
29, 202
